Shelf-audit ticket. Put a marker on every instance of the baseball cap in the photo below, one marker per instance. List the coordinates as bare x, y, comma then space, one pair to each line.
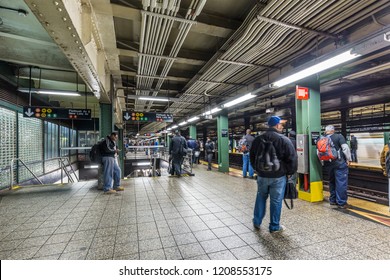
274, 120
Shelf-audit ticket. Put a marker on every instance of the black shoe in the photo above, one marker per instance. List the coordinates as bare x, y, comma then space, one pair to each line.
332, 203
244, 176
345, 206
256, 226
251, 177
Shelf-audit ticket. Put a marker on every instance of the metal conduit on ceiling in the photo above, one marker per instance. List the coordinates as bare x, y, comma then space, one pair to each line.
265, 43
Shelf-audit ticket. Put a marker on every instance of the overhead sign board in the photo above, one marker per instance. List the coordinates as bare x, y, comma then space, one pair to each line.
147, 117
56, 113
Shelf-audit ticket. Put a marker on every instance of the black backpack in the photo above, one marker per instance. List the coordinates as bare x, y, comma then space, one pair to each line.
266, 159
95, 154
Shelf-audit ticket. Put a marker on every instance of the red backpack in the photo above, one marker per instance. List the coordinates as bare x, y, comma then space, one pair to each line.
326, 151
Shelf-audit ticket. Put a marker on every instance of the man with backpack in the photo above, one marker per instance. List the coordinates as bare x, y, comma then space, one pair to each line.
111, 170
385, 163
245, 144
273, 156
337, 168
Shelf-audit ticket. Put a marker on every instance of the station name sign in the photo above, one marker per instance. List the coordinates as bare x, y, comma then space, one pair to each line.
56, 113
147, 117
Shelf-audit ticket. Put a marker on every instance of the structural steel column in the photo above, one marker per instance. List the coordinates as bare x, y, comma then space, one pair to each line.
192, 131
105, 120
247, 123
386, 136
344, 113
308, 122
223, 143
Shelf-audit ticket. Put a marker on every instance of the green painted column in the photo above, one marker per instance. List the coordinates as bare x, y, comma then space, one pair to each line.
223, 143
105, 120
105, 128
192, 129
386, 136
308, 122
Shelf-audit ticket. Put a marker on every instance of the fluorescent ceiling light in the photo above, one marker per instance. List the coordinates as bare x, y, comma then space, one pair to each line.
193, 119
336, 60
169, 128
175, 126
57, 92
49, 91
142, 163
153, 98
212, 111
239, 100
183, 123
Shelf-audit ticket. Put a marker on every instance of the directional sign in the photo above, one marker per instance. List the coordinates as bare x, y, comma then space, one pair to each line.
147, 117
56, 113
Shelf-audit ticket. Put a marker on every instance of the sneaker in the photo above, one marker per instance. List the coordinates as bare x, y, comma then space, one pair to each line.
119, 189
110, 192
281, 228
345, 206
256, 226
332, 203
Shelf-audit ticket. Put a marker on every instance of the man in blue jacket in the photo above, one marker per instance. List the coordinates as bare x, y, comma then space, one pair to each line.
272, 183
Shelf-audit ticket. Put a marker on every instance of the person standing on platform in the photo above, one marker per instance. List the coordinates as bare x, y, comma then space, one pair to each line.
191, 143
272, 183
338, 169
197, 152
111, 169
354, 147
385, 162
177, 151
245, 145
209, 150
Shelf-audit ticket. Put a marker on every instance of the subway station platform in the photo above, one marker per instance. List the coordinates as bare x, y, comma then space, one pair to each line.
206, 216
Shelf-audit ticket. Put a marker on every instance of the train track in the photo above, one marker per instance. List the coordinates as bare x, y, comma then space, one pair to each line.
366, 184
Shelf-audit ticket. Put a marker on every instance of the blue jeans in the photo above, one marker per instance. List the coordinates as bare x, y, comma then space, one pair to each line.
338, 183
111, 172
246, 165
274, 187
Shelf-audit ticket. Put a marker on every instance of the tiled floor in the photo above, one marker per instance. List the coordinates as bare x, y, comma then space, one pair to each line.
206, 216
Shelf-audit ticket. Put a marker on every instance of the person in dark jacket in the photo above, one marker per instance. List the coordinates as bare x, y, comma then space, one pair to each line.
354, 147
273, 184
193, 145
111, 169
209, 151
177, 150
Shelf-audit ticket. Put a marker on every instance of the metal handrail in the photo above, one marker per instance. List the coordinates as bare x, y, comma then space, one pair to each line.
12, 171
61, 161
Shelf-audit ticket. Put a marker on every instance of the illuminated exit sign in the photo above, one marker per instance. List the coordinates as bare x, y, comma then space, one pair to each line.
302, 93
